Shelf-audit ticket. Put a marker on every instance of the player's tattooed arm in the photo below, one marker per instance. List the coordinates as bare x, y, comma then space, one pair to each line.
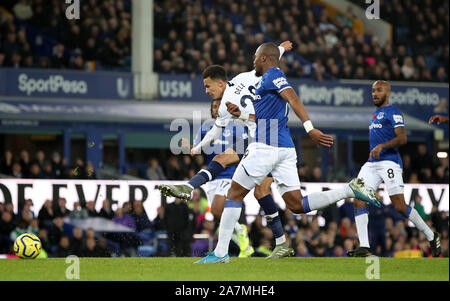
399, 140
299, 109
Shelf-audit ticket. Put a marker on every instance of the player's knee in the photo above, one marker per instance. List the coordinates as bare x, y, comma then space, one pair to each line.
400, 207
260, 192
221, 159
216, 212
296, 208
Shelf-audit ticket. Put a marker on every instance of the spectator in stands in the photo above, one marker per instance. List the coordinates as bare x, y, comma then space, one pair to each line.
422, 159
56, 231
77, 241
124, 219
39, 158
63, 248
59, 60
46, 214
173, 169
25, 163
255, 232
102, 248
77, 63
26, 213
419, 207
6, 163
6, 227
90, 249
90, 206
43, 237
57, 166
154, 171
78, 211
106, 211
159, 222
140, 217
47, 172
35, 171
61, 209
17, 170
180, 222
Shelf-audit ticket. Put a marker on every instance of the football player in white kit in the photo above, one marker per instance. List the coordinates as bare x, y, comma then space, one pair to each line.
239, 91
386, 134
273, 152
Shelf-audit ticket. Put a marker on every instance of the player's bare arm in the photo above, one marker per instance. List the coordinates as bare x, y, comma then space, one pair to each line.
236, 112
287, 45
297, 106
399, 140
438, 119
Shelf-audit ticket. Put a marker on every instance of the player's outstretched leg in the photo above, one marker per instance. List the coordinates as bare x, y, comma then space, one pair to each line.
184, 191
217, 165
322, 199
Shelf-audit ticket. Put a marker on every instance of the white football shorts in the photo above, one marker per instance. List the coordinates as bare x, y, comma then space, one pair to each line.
217, 187
389, 172
261, 159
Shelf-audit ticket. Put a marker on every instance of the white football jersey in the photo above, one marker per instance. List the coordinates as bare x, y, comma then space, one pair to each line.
241, 92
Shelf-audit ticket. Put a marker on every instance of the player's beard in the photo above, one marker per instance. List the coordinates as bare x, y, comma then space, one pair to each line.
382, 101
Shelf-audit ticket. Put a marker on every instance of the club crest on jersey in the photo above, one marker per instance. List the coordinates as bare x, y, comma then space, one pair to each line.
380, 115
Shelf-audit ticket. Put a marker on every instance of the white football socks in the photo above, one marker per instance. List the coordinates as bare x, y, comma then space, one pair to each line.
319, 200
415, 218
230, 217
362, 221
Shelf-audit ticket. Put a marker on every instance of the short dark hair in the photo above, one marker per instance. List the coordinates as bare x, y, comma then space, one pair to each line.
215, 72
271, 50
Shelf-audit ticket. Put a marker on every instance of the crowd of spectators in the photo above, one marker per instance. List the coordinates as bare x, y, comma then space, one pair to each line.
193, 36
390, 234
102, 35
43, 166
418, 167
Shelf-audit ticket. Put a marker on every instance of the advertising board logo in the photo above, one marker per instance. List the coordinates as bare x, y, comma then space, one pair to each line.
51, 84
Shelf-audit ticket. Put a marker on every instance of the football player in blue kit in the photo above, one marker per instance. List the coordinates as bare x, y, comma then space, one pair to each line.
386, 134
273, 152
239, 91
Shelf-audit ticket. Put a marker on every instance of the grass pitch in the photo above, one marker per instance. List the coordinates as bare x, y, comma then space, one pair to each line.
240, 269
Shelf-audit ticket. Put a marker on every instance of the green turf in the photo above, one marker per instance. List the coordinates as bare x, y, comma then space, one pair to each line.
240, 269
